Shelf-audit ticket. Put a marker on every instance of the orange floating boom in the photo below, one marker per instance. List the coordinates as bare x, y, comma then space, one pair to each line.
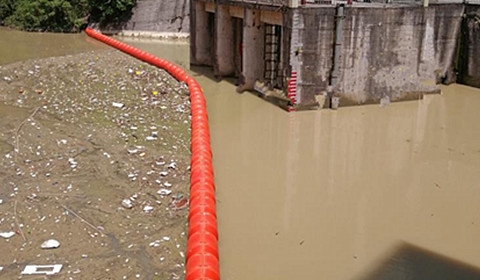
202, 244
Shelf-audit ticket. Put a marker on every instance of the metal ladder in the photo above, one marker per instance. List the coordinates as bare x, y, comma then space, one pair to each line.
272, 54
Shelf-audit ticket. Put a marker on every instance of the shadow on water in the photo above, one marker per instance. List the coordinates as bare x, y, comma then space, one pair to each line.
410, 262
207, 73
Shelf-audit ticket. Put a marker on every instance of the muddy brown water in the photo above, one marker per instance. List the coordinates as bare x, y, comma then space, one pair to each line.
358, 193
17, 45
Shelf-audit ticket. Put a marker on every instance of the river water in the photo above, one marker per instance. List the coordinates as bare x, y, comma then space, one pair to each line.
358, 193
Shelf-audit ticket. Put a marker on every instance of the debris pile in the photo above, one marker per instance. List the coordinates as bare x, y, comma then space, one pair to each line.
94, 168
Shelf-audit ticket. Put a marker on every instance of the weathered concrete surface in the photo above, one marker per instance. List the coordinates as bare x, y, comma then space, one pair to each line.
160, 16
469, 64
387, 53
395, 53
399, 53
201, 39
224, 63
316, 34
253, 49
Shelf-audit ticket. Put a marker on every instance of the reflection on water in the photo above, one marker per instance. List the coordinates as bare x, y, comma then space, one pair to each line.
326, 194
330, 194
322, 195
175, 51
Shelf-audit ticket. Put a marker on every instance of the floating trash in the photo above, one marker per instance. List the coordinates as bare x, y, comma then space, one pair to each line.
164, 192
179, 202
42, 269
118, 105
127, 203
73, 163
132, 151
147, 209
50, 244
7, 235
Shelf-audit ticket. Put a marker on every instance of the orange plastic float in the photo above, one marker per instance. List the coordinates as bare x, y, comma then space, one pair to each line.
202, 245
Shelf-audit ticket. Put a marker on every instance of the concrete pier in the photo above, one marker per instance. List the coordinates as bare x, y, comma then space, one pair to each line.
469, 53
224, 63
201, 53
382, 52
252, 49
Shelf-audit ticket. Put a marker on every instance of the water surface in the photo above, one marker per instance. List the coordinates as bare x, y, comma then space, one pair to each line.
28, 45
358, 193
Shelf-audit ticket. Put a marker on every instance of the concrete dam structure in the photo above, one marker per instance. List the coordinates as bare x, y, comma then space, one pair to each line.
160, 16
310, 55
469, 52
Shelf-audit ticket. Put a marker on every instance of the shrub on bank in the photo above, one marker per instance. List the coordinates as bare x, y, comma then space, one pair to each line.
63, 15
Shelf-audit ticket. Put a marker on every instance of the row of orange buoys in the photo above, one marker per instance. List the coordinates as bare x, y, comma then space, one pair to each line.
202, 244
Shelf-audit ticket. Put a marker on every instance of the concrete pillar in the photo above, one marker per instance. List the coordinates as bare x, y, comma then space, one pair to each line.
201, 41
292, 3
253, 49
224, 63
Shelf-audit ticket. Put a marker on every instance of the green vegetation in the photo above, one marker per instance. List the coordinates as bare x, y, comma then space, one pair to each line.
63, 15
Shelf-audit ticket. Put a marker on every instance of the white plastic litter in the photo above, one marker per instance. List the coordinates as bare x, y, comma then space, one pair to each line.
164, 192
127, 203
117, 104
50, 244
147, 208
7, 235
42, 269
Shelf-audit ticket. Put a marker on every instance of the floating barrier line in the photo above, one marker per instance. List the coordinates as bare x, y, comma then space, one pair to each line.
202, 244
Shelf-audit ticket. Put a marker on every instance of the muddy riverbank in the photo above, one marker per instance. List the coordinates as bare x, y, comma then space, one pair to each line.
95, 154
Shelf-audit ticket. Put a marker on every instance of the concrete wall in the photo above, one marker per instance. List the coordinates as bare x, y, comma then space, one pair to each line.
160, 16
201, 37
398, 53
315, 51
419, 50
469, 64
387, 53
223, 41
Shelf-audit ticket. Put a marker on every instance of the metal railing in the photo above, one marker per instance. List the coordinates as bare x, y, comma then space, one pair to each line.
256, 2
287, 3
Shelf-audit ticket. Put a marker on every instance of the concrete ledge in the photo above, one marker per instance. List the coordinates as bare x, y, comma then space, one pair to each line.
149, 34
